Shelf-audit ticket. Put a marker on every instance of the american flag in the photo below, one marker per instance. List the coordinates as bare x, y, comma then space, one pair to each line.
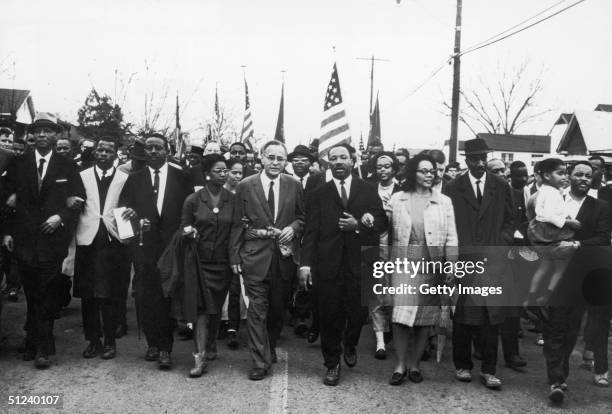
247, 124
334, 127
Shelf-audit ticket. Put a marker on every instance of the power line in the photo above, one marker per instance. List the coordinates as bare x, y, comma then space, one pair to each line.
467, 49
523, 29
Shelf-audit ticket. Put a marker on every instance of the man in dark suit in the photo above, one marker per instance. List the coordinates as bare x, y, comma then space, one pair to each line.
155, 196
268, 221
566, 306
342, 216
41, 229
483, 215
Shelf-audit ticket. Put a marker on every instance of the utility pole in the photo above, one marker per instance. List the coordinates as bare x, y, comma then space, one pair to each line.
452, 151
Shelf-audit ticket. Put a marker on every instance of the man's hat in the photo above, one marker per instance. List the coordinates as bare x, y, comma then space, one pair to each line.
302, 151
137, 151
476, 146
45, 119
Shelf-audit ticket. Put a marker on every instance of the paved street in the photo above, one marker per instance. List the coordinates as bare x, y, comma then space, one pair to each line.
128, 384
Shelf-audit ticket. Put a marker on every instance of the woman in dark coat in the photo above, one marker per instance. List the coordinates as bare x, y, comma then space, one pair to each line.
207, 219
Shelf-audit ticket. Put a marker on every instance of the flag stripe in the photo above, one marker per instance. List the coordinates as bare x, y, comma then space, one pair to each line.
333, 117
333, 132
334, 126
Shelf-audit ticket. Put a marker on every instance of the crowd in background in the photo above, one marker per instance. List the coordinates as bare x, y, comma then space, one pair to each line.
219, 234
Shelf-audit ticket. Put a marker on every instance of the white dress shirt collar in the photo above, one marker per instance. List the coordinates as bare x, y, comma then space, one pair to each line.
100, 172
47, 158
347, 185
473, 182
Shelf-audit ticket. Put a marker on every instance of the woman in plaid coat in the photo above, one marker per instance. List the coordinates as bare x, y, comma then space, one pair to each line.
422, 231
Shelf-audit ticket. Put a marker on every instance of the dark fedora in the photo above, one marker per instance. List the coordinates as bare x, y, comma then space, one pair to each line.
301, 151
137, 150
45, 119
476, 146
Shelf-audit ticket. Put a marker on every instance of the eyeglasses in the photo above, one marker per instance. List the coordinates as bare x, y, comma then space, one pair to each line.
273, 158
220, 171
425, 172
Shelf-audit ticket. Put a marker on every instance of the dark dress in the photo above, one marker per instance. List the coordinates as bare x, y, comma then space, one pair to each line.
213, 225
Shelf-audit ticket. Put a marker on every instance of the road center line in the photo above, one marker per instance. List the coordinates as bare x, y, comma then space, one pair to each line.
280, 384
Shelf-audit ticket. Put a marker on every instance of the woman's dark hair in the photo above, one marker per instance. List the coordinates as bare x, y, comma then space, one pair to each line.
210, 160
394, 161
549, 165
412, 165
233, 161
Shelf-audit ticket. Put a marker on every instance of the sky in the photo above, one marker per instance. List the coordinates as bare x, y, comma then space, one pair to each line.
60, 49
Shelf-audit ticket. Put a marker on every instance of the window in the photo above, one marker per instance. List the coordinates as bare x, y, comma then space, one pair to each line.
507, 157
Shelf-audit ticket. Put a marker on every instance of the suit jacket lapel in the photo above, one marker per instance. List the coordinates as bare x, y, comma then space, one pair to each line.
168, 192
259, 193
283, 198
465, 186
89, 180
355, 187
50, 174
584, 208
32, 172
487, 194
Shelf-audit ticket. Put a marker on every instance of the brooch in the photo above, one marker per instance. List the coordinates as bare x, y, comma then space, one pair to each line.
216, 210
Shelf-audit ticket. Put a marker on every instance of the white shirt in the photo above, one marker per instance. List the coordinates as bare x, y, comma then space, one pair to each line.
347, 186
328, 175
45, 165
303, 180
385, 193
101, 174
572, 207
550, 206
481, 184
265, 183
163, 177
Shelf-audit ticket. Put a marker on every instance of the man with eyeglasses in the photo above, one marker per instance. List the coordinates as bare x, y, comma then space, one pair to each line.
154, 195
268, 221
483, 215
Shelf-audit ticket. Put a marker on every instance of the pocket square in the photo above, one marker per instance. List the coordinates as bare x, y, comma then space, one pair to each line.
61, 180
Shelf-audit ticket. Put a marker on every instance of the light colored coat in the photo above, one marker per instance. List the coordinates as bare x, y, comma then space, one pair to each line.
440, 230
89, 221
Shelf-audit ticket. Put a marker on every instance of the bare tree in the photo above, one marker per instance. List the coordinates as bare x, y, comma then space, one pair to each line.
504, 106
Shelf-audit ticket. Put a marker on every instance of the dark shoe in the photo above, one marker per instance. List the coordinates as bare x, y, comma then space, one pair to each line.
312, 337
29, 355
515, 361
152, 354
398, 378
110, 349
380, 353
556, 394
301, 331
232, 339
415, 376
257, 374
165, 362
273, 355
185, 333
332, 377
350, 356
93, 349
41, 361
121, 331
12, 295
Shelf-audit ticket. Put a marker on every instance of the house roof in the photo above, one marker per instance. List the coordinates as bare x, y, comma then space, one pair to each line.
588, 132
12, 99
604, 108
515, 143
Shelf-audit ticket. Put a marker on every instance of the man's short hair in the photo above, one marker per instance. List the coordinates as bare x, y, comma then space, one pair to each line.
437, 155
346, 146
271, 143
108, 138
573, 166
157, 135
239, 144
517, 164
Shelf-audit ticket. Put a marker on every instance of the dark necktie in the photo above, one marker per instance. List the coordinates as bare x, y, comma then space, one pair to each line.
343, 195
271, 199
302, 182
478, 192
156, 186
41, 166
